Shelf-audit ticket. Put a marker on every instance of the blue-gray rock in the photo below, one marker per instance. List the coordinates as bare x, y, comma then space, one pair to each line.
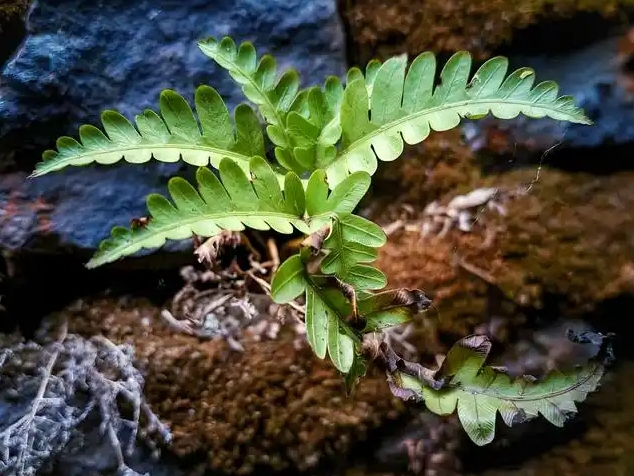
80, 57
593, 77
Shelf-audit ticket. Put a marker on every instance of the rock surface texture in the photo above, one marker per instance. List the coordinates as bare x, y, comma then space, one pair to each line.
82, 57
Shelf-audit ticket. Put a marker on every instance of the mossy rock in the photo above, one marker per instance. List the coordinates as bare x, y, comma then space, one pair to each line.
569, 238
379, 28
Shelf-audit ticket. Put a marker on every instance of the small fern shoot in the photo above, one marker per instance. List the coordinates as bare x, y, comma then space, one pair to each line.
328, 141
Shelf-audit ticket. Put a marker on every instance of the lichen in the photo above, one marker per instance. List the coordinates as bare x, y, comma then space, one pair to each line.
272, 406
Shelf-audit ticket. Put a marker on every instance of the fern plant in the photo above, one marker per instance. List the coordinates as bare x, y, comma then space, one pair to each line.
327, 142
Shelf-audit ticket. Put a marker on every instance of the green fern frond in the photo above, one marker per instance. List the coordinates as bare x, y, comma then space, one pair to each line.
173, 135
478, 393
275, 97
405, 106
326, 311
231, 203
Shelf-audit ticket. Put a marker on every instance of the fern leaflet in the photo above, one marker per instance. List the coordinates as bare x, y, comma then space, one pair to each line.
478, 393
406, 107
231, 203
173, 135
275, 97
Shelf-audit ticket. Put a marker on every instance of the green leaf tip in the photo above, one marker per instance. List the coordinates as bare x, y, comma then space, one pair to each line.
478, 393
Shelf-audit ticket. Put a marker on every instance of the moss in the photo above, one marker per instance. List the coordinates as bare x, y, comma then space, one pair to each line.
569, 237
380, 28
462, 300
274, 406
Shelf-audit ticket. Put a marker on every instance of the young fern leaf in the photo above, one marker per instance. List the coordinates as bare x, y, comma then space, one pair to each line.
405, 106
275, 97
231, 203
173, 135
354, 241
479, 393
315, 131
326, 312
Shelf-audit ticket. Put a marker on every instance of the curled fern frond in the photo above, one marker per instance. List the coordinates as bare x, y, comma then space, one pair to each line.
173, 135
231, 203
404, 106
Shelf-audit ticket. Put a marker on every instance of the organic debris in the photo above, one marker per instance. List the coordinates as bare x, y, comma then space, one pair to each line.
217, 305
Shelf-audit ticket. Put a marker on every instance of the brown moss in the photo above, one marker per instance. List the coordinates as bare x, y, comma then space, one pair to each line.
11, 9
570, 236
461, 300
380, 28
274, 405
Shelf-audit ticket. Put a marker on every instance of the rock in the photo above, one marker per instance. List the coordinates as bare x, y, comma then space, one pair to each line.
594, 76
82, 57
